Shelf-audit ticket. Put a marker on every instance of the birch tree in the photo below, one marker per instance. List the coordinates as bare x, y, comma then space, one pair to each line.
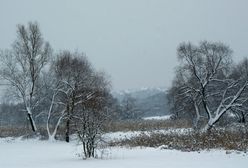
74, 72
22, 64
70, 83
54, 108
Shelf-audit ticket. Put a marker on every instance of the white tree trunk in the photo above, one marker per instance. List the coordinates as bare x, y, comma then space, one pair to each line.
51, 136
209, 125
197, 115
222, 109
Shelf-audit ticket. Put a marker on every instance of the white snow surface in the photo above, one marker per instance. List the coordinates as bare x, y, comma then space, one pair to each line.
165, 117
17, 153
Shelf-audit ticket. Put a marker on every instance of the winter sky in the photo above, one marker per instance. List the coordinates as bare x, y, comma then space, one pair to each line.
134, 41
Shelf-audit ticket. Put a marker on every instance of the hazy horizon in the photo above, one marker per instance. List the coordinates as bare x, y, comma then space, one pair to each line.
134, 41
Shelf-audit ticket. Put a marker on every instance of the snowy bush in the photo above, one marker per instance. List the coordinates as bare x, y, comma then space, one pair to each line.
145, 125
191, 140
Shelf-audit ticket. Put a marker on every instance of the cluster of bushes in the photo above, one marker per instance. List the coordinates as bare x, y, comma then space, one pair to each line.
24, 132
145, 125
191, 140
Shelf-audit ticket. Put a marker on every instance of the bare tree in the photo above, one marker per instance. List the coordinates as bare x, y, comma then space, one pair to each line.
184, 100
92, 114
71, 85
74, 72
22, 64
54, 107
83, 95
240, 71
206, 72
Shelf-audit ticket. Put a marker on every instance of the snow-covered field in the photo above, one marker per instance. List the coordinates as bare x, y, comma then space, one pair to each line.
16, 153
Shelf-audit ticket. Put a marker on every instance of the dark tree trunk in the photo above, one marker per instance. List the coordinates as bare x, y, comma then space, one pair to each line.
30, 118
67, 133
242, 119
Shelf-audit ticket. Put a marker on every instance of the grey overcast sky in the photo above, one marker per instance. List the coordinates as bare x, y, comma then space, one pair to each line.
134, 41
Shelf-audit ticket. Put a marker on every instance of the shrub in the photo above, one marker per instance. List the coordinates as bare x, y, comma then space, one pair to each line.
191, 140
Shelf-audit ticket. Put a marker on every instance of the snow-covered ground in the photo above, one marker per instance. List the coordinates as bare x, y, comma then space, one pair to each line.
165, 117
16, 153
